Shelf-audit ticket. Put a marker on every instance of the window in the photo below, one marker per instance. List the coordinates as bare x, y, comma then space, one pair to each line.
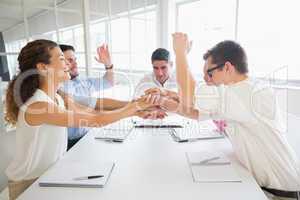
129, 28
74, 36
13, 49
271, 37
206, 24
269, 34
133, 40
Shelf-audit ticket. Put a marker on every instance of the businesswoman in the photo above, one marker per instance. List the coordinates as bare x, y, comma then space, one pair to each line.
41, 114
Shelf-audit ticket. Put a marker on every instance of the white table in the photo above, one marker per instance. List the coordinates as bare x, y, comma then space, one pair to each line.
149, 165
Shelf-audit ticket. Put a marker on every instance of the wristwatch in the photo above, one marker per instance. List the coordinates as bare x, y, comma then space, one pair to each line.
109, 66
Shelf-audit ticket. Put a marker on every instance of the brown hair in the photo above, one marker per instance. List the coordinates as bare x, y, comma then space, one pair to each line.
26, 82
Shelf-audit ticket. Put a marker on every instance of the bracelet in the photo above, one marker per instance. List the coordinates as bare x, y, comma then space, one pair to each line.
109, 66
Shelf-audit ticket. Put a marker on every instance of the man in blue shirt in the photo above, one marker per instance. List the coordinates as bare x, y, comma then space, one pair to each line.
83, 89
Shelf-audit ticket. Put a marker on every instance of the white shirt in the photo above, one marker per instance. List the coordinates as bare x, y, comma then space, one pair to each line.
37, 147
256, 131
150, 81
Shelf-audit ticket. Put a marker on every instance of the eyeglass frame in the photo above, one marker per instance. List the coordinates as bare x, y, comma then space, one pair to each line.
210, 71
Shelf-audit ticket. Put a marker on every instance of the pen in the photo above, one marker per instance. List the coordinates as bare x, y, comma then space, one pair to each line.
188, 140
158, 126
113, 140
88, 177
209, 159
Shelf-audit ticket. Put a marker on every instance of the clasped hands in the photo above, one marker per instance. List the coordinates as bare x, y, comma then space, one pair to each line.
156, 102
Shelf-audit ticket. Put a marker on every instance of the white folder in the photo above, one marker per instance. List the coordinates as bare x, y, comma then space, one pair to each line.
212, 167
64, 174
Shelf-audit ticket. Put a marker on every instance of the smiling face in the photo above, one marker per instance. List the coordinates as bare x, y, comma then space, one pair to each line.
58, 65
213, 75
71, 58
206, 78
161, 70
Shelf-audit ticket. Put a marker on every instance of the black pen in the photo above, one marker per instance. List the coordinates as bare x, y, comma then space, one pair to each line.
88, 177
188, 140
114, 140
158, 126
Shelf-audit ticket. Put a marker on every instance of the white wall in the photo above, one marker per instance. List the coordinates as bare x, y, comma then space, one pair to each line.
289, 100
7, 148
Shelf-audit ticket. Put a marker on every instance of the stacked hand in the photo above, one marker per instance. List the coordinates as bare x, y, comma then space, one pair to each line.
163, 93
148, 110
163, 99
154, 113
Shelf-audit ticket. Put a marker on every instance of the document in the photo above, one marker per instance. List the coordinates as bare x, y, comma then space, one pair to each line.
112, 134
211, 167
196, 131
77, 174
173, 121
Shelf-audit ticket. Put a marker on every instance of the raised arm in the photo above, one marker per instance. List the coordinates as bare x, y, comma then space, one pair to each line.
104, 57
185, 80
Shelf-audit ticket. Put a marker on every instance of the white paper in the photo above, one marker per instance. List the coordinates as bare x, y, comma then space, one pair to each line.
168, 121
198, 157
196, 130
63, 174
112, 133
217, 170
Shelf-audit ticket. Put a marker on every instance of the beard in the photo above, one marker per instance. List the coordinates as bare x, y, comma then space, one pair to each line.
73, 76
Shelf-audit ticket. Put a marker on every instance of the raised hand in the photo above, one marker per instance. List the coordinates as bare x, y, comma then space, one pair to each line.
103, 55
181, 43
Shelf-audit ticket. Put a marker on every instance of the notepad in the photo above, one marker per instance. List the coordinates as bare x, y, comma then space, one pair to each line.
124, 124
211, 167
64, 175
112, 134
168, 122
196, 131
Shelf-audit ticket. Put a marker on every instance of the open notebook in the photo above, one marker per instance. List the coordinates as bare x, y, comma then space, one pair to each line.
66, 174
211, 167
115, 132
124, 124
173, 121
114, 135
196, 131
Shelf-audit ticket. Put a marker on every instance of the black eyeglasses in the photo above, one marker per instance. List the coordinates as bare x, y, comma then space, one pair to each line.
210, 71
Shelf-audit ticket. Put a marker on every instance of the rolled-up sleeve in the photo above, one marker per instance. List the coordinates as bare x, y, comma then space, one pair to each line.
99, 83
208, 101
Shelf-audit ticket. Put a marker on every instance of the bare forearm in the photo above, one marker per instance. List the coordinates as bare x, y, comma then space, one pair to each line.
110, 104
107, 117
45, 113
91, 119
188, 112
185, 80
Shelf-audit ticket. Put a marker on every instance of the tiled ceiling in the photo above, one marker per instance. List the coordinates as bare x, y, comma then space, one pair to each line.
11, 12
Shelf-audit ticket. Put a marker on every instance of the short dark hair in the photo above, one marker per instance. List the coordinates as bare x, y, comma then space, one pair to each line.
229, 51
160, 54
65, 47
